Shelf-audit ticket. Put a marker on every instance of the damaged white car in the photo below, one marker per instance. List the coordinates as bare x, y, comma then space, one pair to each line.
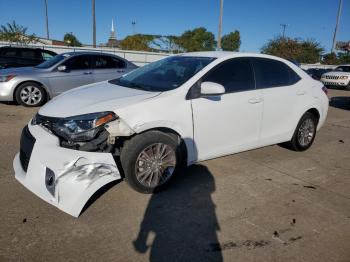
177, 111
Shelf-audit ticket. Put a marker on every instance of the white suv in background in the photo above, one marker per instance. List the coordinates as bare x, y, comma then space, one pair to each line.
340, 77
177, 111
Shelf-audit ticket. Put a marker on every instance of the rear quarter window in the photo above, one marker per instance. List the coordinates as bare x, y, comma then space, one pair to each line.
272, 73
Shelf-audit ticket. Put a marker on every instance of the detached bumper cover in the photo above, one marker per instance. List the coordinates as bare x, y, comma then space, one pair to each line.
63, 177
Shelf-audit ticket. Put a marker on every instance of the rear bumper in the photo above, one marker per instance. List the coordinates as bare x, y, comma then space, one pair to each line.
63, 177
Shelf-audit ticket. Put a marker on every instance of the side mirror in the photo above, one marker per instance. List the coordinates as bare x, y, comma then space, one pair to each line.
211, 88
62, 68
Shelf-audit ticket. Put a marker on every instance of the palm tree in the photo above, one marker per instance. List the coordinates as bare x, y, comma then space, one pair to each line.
14, 32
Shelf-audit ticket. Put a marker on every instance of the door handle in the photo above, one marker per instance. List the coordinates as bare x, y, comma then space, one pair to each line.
121, 71
87, 73
255, 100
300, 92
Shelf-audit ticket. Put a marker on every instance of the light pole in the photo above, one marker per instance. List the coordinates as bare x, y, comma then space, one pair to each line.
336, 26
47, 21
133, 23
93, 24
284, 30
220, 24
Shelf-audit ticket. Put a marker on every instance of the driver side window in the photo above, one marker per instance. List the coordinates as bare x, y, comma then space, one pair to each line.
81, 62
236, 75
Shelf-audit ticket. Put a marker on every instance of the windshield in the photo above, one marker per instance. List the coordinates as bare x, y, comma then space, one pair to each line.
51, 62
343, 68
165, 74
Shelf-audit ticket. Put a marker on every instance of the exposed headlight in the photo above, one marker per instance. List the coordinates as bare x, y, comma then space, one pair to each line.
343, 77
79, 128
6, 78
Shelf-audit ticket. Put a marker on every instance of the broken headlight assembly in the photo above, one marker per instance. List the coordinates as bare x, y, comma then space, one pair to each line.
80, 128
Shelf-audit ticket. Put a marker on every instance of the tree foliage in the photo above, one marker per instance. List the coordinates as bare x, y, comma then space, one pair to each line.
330, 59
138, 42
71, 40
14, 32
303, 51
198, 39
231, 41
336, 59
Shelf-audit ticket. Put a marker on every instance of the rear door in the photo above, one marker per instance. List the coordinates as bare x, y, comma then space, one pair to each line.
107, 67
78, 73
282, 92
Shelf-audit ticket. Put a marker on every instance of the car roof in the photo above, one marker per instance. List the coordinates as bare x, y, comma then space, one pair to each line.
228, 54
21, 47
86, 53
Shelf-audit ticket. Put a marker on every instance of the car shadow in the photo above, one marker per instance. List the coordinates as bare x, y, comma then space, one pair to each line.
341, 102
182, 220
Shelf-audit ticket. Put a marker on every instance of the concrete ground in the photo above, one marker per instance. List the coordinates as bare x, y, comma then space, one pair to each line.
269, 204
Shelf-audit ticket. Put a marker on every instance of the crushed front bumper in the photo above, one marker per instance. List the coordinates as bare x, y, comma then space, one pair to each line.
63, 177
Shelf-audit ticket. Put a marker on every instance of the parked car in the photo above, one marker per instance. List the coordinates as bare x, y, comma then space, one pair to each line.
316, 73
340, 77
33, 86
22, 56
177, 111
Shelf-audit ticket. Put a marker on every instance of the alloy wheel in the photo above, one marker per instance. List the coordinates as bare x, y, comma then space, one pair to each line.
155, 165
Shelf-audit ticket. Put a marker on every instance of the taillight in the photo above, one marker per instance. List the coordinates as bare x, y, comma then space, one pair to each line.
325, 90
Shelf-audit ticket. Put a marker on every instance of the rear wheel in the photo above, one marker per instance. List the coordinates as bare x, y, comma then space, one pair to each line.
30, 94
150, 160
305, 133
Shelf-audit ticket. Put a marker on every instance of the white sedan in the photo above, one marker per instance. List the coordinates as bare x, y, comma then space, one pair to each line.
177, 111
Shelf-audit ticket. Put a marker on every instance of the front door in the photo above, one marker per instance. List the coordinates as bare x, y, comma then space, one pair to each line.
230, 122
78, 72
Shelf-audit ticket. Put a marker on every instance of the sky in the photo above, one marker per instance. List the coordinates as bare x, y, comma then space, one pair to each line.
257, 20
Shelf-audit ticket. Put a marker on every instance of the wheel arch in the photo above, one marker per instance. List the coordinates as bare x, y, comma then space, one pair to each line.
315, 112
47, 93
176, 135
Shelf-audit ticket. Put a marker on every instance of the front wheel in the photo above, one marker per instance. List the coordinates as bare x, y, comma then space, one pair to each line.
304, 134
150, 160
348, 87
30, 95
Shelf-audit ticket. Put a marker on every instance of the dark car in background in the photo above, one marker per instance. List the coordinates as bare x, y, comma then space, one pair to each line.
11, 56
316, 73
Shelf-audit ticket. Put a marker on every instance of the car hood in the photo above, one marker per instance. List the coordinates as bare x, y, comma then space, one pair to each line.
96, 97
336, 73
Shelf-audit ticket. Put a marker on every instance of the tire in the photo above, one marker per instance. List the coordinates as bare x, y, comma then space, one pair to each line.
30, 94
347, 87
298, 143
150, 175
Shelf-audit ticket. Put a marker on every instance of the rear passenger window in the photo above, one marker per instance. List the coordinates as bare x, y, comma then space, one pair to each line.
235, 75
272, 73
105, 62
31, 54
